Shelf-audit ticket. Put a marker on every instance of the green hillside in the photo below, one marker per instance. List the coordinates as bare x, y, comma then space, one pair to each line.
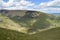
28, 21
6, 34
7, 23
33, 21
29, 25
52, 34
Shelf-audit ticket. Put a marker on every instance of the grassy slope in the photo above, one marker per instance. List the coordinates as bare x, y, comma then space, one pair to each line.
29, 21
41, 22
16, 23
5, 34
7, 23
52, 34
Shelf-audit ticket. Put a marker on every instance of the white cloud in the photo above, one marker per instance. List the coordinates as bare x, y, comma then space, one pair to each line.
50, 10
16, 4
4, 4
50, 3
51, 6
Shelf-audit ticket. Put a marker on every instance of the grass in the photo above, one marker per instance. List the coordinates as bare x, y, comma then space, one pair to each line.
6, 34
7, 23
52, 34
41, 22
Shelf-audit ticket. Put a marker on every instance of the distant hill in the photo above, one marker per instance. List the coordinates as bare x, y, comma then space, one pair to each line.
56, 14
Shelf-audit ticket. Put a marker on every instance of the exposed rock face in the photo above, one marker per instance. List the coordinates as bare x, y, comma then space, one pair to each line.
28, 14
31, 14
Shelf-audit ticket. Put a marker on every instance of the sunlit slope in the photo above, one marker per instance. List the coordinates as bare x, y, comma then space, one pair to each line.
27, 21
7, 23
35, 26
6, 34
35, 21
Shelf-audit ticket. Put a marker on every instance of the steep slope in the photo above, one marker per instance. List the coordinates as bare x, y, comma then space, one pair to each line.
7, 23
28, 21
32, 20
31, 26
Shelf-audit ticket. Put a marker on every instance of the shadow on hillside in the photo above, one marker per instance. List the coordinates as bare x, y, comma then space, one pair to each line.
25, 21
41, 22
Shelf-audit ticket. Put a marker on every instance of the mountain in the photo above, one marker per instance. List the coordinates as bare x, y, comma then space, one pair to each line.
28, 25
27, 20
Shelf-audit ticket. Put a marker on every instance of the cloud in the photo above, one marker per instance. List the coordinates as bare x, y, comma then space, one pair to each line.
53, 3
7, 4
51, 6
16, 4
50, 10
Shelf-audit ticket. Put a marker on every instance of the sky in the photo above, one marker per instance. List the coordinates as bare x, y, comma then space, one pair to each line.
47, 6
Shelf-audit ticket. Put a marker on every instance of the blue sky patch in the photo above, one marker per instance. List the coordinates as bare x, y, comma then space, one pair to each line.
38, 1
5, 0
